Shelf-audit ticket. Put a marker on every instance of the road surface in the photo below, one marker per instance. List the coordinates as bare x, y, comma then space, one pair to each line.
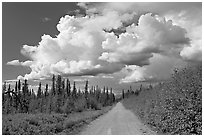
118, 121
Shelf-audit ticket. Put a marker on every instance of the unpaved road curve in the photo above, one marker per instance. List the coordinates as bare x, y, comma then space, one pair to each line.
118, 121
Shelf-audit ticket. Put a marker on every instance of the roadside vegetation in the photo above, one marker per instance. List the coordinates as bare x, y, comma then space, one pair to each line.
171, 107
58, 110
49, 124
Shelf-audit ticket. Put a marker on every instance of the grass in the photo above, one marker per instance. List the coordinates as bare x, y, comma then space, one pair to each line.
48, 124
174, 107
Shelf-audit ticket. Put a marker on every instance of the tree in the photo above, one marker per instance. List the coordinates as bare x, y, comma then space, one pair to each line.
39, 93
59, 85
16, 87
74, 91
107, 95
19, 85
53, 84
25, 99
63, 85
46, 90
15, 103
68, 88
58, 97
86, 90
112, 97
3, 96
123, 94
8, 101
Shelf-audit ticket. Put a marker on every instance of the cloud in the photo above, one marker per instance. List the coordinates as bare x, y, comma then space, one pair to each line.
117, 37
11, 80
187, 15
134, 74
191, 21
14, 62
18, 63
136, 46
160, 68
75, 50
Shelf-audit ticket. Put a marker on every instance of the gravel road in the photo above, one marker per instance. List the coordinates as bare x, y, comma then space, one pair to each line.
118, 121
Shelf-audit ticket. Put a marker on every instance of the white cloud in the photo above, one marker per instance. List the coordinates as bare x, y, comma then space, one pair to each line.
18, 63
88, 46
191, 21
153, 34
161, 67
75, 50
134, 74
14, 62
11, 80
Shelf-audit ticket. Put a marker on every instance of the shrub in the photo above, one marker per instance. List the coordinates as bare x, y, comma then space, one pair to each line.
34, 122
80, 104
94, 104
59, 127
68, 106
174, 107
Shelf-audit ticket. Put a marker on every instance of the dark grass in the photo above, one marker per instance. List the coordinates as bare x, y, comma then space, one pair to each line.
174, 107
48, 124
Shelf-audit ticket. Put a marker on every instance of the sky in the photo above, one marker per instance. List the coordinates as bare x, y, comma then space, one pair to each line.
110, 44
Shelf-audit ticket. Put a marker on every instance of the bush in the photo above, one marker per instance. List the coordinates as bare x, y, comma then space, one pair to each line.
33, 122
80, 104
68, 106
94, 104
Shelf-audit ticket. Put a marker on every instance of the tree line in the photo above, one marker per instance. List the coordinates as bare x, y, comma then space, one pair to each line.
61, 98
136, 92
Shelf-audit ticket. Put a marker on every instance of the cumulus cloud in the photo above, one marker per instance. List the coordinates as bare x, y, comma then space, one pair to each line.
153, 34
115, 37
191, 21
161, 67
134, 74
75, 50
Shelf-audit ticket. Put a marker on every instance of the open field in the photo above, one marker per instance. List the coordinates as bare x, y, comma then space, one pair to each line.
48, 124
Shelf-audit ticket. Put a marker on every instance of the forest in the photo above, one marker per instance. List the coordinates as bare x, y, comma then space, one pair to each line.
61, 98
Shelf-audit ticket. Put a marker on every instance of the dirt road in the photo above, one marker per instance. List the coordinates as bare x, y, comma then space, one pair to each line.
118, 121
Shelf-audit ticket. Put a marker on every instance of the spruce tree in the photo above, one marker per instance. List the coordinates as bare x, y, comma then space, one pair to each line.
16, 87
19, 85
53, 85
3, 97
123, 94
39, 91
25, 99
68, 88
59, 85
74, 91
46, 90
86, 90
